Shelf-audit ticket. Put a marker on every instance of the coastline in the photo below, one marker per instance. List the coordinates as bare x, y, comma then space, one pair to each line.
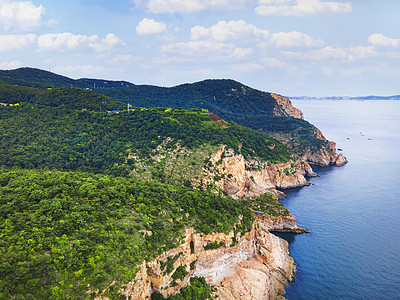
259, 266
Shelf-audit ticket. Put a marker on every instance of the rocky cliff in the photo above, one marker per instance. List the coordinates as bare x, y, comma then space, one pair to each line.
285, 108
326, 156
241, 178
323, 156
257, 267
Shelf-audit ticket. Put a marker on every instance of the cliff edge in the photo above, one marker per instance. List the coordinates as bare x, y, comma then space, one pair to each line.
257, 267
326, 154
243, 178
285, 107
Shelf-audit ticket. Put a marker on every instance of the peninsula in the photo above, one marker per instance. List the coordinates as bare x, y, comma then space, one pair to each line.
111, 189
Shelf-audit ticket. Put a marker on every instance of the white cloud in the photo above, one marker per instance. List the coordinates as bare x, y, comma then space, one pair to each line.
329, 53
242, 53
189, 6
20, 16
207, 49
56, 41
293, 39
300, 7
232, 30
16, 41
109, 42
355, 71
378, 39
7, 65
150, 26
51, 22
70, 41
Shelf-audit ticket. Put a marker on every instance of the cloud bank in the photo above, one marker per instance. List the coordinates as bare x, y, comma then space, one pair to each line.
18, 16
150, 26
378, 39
188, 6
300, 7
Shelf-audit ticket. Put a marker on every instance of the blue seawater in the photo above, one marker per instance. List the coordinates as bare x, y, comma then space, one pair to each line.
353, 212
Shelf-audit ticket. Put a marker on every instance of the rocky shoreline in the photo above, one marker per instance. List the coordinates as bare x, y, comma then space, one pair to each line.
241, 178
257, 267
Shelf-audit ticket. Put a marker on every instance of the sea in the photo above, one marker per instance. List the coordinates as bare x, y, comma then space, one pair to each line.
352, 212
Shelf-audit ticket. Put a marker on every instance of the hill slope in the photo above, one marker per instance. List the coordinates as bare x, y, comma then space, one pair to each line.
78, 221
230, 100
96, 204
53, 131
233, 101
43, 79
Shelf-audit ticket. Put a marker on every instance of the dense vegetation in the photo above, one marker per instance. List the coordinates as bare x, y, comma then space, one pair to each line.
228, 99
198, 289
268, 204
231, 101
43, 79
61, 231
72, 218
62, 98
58, 136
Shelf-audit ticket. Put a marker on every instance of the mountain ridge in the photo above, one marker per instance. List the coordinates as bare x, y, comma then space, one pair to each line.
41, 79
228, 99
100, 203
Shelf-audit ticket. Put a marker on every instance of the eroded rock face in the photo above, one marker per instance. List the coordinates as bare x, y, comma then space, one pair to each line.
325, 156
239, 180
281, 224
285, 108
261, 274
341, 160
257, 267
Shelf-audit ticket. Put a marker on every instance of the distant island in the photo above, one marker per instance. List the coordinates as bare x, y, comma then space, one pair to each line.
371, 97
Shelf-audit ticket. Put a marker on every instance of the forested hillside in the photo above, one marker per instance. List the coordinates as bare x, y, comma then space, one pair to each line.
228, 99
64, 231
75, 216
231, 101
65, 129
44, 79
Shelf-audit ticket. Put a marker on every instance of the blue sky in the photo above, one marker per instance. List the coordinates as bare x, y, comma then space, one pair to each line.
291, 47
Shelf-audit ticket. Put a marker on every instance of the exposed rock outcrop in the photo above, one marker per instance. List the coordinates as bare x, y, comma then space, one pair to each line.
257, 267
282, 223
285, 108
260, 272
241, 178
325, 156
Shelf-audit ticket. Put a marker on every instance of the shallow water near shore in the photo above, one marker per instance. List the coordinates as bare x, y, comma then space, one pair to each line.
353, 212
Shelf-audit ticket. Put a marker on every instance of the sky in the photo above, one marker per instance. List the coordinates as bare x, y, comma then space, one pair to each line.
290, 47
